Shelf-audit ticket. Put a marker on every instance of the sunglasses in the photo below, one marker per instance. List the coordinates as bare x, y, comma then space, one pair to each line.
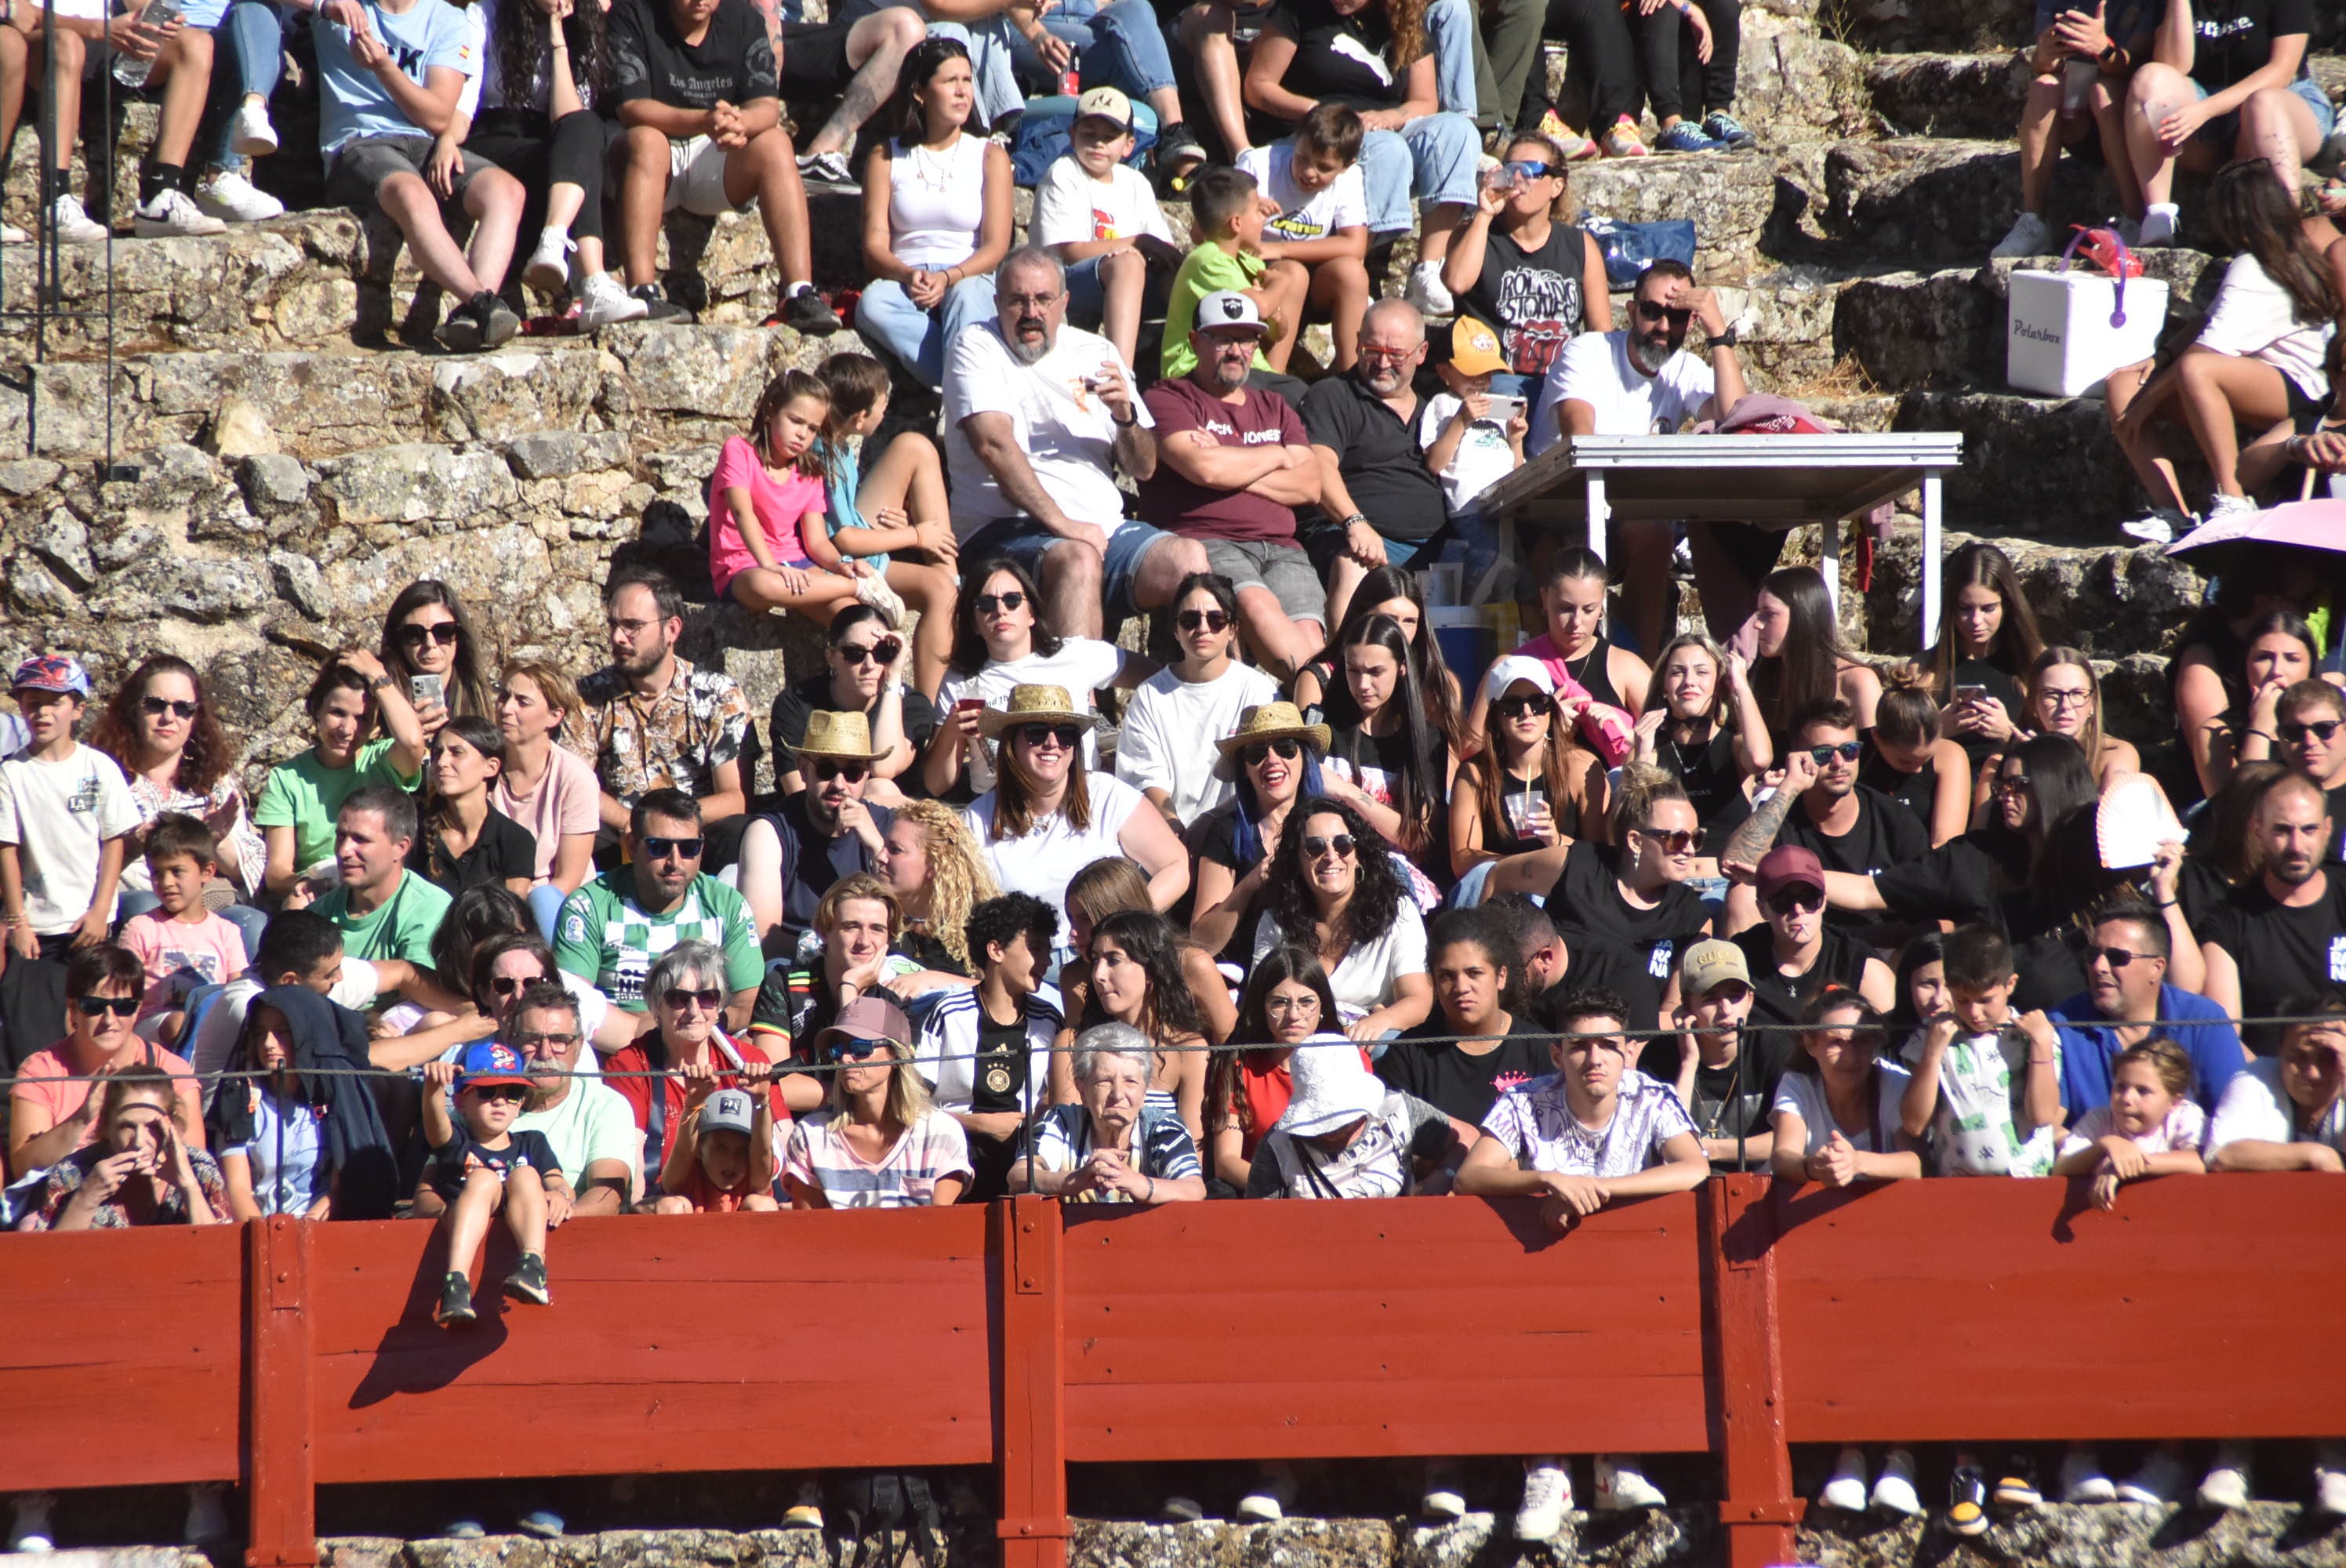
1531, 168
1520, 706
443, 632
512, 985
1684, 842
2321, 730
854, 1050
1648, 310
1793, 900
2010, 783
1261, 751
156, 706
676, 997
852, 772
2116, 957
1066, 735
989, 602
1848, 751
1315, 848
98, 1006
682, 848
884, 651
496, 1091
1212, 620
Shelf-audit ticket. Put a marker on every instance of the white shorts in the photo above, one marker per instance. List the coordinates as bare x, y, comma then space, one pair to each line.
696, 178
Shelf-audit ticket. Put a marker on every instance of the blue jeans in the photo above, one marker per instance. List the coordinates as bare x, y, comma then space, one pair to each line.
247, 45
1450, 34
914, 338
1433, 156
546, 902
1122, 46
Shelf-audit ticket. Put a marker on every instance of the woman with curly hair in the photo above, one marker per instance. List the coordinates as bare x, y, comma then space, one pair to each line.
1134, 964
929, 860
159, 726
1335, 892
427, 635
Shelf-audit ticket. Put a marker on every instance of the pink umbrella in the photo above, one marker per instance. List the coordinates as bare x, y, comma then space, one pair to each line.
2309, 525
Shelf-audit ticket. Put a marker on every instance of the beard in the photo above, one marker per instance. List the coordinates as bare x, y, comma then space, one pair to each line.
1026, 351
1650, 356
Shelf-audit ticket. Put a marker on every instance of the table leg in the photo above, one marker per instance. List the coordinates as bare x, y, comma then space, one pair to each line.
1599, 514
1931, 562
1829, 556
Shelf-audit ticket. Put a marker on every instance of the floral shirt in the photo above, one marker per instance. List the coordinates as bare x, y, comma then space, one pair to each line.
1535, 1124
66, 1177
252, 853
675, 741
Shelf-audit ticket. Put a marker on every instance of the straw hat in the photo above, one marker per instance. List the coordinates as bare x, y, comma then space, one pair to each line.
843, 737
1032, 705
1334, 1088
1269, 721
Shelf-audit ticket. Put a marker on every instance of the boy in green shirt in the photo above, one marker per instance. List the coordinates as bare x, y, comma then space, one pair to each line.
1227, 213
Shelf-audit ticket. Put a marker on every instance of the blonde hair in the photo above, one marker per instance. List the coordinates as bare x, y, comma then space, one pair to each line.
552, 685
908, 1094
959, 878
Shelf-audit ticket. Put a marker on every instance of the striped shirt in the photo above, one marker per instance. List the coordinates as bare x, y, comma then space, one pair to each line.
905, 1177
1063, 1141
947, 1052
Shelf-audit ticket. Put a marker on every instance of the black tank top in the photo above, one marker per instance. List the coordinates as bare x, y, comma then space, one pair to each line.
1592, 670
1531, 298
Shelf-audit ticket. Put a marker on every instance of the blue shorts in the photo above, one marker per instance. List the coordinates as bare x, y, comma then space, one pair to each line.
2224, 130
1027, 541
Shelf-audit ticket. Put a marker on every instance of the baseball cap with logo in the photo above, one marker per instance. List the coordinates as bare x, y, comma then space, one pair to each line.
727, 1111
488, 1062
1475, 348
60, 673
1710, 962
1227, 308
1105, 104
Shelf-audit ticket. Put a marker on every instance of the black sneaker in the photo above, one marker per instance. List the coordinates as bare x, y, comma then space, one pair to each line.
466, 329
2016, 1483
1967, 1503
658, 307
807, 313
502, 322
456, 1304
527, 1280
1179, 155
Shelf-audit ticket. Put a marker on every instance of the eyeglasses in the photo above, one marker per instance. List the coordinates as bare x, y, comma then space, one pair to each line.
1027, 301
156, 706
1793, 900
854, 1050
1648, 310
2062, 702
1212, 620
98, 1006
1531, 168
494, 1092
1066, 735
2321, 730
1260, 751
853, 772
512, 985
1291, 1005
2010, 783
441, 632
679, 999
1848, 751
1391, 356
884, 651
1684, 842
531, 1042
2116, 957
681, 848
989, 602
1317, 848
1520, 706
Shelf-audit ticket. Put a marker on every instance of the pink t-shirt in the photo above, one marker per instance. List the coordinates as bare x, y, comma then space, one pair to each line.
779, 506
567, 799
45, 1080
211, 947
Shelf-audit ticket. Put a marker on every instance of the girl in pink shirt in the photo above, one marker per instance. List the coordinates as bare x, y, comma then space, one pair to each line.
768, 546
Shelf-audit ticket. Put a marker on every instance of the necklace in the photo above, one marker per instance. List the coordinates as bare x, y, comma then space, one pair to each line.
1680, 765
932, 167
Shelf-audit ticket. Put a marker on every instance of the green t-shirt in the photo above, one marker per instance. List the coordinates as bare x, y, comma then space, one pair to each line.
401, 927
1206, 269
603, 936
307, 795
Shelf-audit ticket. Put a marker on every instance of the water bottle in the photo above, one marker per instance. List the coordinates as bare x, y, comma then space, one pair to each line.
133, 73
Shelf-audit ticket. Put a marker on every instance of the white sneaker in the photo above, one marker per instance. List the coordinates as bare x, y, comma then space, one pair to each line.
2329, 1480
2158, 528
1426, 290
1444, 1498
250, 134
2226, 1484
875, 592
2158, 223
72, 224
1620, 1487
224, 193
601, 302
170, 215
1548, 1497
1893, 1490
2030, 236
1845, 1493
206, 1514
12, 235
2158, 1483
31, 1529
1268, 1500
2221, 506
2082, 1480
548, 269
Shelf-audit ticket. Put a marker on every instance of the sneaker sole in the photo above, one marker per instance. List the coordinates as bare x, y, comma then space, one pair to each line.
142, 229
502, 328
229, 215
253, 147
546, 276
464, 1319
520, 1290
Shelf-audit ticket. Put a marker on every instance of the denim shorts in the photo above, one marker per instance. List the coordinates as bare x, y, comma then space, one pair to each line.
2224, 130
1027, 541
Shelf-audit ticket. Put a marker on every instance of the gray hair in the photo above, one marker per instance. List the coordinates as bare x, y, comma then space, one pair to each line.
687, 966
1106, 1042
1030, 258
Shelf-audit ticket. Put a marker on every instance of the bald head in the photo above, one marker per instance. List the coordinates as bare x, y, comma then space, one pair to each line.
1392, 345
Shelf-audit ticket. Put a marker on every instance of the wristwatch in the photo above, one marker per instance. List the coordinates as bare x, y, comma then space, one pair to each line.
1732, 336
1356, 517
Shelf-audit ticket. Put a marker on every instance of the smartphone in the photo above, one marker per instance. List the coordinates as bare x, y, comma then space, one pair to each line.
427, 691
1505, 409
1971, 694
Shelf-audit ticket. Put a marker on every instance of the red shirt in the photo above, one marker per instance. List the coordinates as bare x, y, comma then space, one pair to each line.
1171, 502
668, 1094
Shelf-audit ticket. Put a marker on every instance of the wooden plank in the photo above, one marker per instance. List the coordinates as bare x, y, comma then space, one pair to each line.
1747, 1383
121, 1363
1030, 1265
2188, 1312
281, 1469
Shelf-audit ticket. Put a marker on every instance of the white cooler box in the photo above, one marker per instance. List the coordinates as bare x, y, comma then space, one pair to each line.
2059, 337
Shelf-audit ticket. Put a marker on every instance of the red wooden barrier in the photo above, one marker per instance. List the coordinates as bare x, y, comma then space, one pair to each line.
1031, 1335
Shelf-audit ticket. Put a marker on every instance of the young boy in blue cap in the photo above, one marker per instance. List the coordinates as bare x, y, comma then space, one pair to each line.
481, 1165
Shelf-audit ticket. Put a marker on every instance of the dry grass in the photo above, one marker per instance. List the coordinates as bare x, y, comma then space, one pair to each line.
1847, 379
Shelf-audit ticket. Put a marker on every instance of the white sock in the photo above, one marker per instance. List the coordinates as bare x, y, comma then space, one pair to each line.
2158, 220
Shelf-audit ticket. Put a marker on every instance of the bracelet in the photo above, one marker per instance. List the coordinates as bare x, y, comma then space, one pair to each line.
1152, 1191
2268, 740
2168, 904
1357, 517
1123, 424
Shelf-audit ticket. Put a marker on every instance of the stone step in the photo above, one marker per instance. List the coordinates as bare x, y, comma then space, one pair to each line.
2043, 468
1955, 95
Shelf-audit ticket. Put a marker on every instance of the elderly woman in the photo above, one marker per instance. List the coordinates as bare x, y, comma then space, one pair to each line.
1333, 890
161, 727
52, 1111
685, 1056
306, 1138
933, 865
1050, 816
1112, 1145
878, 1143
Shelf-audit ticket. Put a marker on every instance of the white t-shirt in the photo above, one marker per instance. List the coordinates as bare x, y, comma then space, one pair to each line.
1482, 460
2255, 1107
1065, 431
1595, 369
2184, 1128
1364, 981
1534, 1123
1071, 207
2253, 319
1342, 203
1046, 860
1080, 668
1803, 1095
60, 815
1983, 1087
1169, 730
